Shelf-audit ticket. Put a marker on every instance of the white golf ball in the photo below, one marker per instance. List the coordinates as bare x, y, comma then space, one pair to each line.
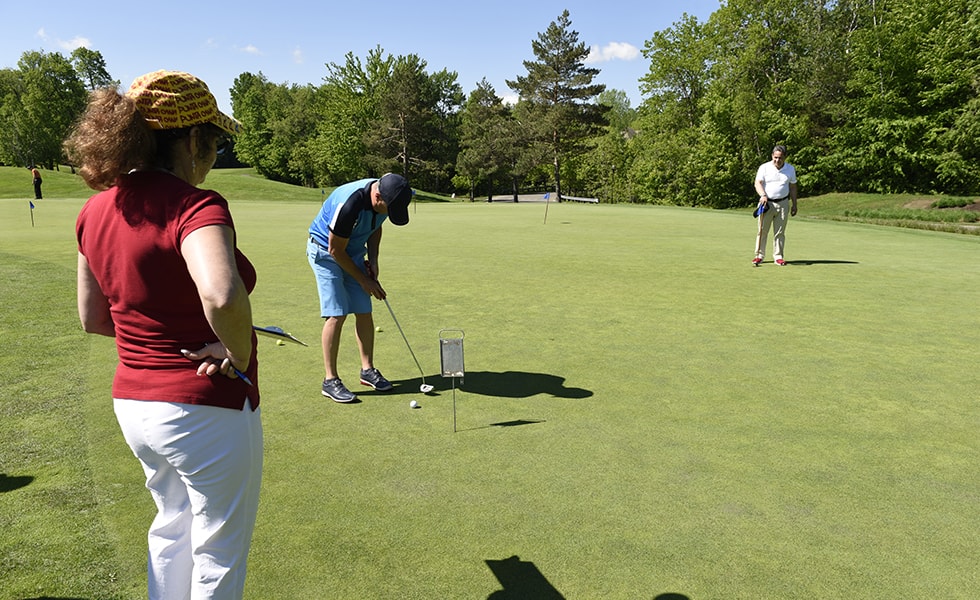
414, 404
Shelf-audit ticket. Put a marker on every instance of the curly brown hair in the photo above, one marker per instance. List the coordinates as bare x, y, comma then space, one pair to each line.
112, 138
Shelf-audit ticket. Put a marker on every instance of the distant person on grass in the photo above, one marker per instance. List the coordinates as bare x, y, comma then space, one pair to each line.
159, 270
37, 182
343, 248
775, 182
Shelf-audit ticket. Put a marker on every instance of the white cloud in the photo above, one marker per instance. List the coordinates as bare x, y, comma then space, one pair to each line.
72, 44
250, 49
75, 43
510, 99
298, 56
612, 51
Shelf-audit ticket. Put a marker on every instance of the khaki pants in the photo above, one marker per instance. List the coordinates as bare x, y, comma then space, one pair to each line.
776, 218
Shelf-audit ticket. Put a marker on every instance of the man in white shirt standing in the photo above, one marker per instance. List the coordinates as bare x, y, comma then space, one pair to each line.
775, 182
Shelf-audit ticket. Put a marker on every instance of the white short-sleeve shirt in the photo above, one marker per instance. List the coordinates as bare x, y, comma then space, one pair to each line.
775, 181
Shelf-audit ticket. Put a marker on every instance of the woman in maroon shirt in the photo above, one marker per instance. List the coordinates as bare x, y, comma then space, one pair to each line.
159, 270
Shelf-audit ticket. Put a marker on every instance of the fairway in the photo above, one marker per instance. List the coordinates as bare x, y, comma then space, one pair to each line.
643, 413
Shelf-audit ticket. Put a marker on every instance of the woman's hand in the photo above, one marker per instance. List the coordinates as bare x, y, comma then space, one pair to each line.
214, 359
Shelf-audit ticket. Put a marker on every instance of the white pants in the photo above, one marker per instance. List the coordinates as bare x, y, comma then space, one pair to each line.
203, 467
775, 217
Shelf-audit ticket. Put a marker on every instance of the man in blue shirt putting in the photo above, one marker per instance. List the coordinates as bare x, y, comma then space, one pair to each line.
343, 248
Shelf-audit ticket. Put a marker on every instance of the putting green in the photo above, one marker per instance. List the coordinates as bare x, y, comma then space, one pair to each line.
643, 413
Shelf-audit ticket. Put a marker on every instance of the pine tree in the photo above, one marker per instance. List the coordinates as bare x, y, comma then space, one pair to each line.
559, 92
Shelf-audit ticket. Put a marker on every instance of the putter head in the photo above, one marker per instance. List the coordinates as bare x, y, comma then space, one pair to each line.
425, 388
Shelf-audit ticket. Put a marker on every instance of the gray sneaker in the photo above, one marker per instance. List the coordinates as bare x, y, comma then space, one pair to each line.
337, 391
375, 379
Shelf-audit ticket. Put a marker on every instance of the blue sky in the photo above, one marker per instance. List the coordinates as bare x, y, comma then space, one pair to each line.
291, 41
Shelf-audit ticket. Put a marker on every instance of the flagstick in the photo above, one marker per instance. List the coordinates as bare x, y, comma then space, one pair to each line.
32, 212
547, 201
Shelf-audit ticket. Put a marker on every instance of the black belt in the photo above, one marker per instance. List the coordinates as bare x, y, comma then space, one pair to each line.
778, 199
317, 242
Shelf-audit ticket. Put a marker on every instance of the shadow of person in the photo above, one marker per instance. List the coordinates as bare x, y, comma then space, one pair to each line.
9, 484
519, 384
508, 384
521, 579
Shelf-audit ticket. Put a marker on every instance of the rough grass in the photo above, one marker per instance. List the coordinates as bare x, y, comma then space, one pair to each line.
947, 214
643, 413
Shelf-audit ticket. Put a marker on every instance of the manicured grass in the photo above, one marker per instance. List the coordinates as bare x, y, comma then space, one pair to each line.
643, 413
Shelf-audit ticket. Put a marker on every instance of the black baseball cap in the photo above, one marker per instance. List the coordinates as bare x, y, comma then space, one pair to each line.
396, 194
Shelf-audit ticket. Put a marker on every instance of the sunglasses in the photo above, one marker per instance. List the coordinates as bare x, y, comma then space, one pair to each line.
223, 144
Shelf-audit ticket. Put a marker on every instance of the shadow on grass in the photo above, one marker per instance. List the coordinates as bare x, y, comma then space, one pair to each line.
521, 579
516, 423
9, 484
507, 384
519, 384
807, 263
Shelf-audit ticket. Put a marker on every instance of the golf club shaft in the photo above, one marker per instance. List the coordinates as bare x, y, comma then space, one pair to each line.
395, 319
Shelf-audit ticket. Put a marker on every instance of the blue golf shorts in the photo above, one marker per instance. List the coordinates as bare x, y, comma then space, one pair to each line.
340, 294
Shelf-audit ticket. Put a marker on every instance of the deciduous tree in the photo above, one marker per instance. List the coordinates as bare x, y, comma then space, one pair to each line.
91, 68
52, 97
278, 121
606, 167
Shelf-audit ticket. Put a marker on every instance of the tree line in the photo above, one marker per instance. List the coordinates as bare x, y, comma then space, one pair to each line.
876, 96
873, 96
